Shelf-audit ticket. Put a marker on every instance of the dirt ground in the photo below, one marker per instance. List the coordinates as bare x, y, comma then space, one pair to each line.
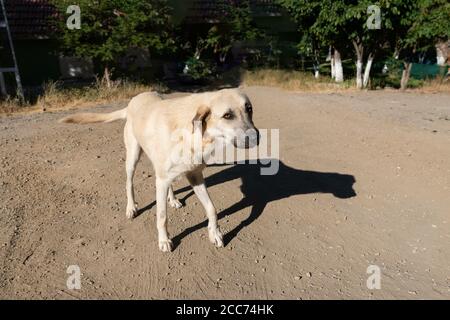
364, 180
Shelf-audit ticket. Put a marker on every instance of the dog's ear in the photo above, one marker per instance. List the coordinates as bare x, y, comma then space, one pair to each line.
201, 118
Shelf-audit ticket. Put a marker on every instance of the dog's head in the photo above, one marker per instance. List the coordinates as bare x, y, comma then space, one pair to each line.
227, 117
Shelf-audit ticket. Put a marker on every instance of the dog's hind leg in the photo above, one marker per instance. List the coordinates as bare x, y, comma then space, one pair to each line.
173, 201
133, 154
198, 184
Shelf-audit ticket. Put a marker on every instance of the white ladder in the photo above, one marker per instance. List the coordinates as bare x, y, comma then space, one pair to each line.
14, 69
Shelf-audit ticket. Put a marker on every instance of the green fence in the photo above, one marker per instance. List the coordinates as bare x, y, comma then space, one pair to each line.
424, 71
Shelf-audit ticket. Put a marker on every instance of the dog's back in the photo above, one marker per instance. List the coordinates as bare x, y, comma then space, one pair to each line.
143, 101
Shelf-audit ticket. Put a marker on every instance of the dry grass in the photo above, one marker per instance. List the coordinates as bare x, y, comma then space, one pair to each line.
437, 85
55, 97
10, 105
294, 80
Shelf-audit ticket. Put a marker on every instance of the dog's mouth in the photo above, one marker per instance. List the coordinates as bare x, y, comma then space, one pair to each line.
248, 140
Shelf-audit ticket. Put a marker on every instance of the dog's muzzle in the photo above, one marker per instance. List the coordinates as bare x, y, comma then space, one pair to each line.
247, 139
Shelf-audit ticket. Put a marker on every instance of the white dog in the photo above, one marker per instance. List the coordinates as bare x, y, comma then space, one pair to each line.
159, 126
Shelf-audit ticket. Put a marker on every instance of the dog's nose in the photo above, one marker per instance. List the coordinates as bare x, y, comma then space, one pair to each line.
252, 138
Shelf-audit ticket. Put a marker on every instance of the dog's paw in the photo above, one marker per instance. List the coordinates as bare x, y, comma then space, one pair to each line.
215, 236
131, 211
175, 203
165, 245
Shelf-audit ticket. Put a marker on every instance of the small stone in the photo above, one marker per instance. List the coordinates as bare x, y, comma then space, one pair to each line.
297, 278
308, 274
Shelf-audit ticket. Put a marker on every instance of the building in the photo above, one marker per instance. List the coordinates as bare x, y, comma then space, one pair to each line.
32, 33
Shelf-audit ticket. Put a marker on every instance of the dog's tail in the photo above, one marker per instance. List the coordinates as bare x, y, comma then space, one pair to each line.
95, 117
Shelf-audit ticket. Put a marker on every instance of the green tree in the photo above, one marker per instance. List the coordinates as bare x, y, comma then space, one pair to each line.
234, 23
332, 23
304, 13
342, 22
426, 23
109, 28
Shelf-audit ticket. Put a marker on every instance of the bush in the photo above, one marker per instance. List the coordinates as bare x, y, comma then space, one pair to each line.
198, 70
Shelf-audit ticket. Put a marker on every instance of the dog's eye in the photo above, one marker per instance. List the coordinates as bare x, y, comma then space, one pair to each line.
248, 108
228, 116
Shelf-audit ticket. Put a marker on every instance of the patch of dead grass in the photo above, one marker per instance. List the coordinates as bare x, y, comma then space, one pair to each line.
437, 85
55, 97
294, 80
301, 81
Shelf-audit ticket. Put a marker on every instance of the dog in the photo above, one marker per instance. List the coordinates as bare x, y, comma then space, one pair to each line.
166, 129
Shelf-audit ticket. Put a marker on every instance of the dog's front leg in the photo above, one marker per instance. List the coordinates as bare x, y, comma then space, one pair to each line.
162, 188
198, 184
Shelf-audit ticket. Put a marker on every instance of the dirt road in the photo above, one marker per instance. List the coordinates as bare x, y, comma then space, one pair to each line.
364, 180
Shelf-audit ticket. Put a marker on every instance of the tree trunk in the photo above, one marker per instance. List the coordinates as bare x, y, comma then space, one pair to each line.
359, 49
223, 57
198, 53
316, 71
359, 65
338, 71
330, 57
107, 77
442, 53
367, 70
333, 72
396, 53
405, 74
316, 65
316, 74
422, 57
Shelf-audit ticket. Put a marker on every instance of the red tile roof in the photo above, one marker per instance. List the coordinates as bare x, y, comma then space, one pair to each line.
30, 19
